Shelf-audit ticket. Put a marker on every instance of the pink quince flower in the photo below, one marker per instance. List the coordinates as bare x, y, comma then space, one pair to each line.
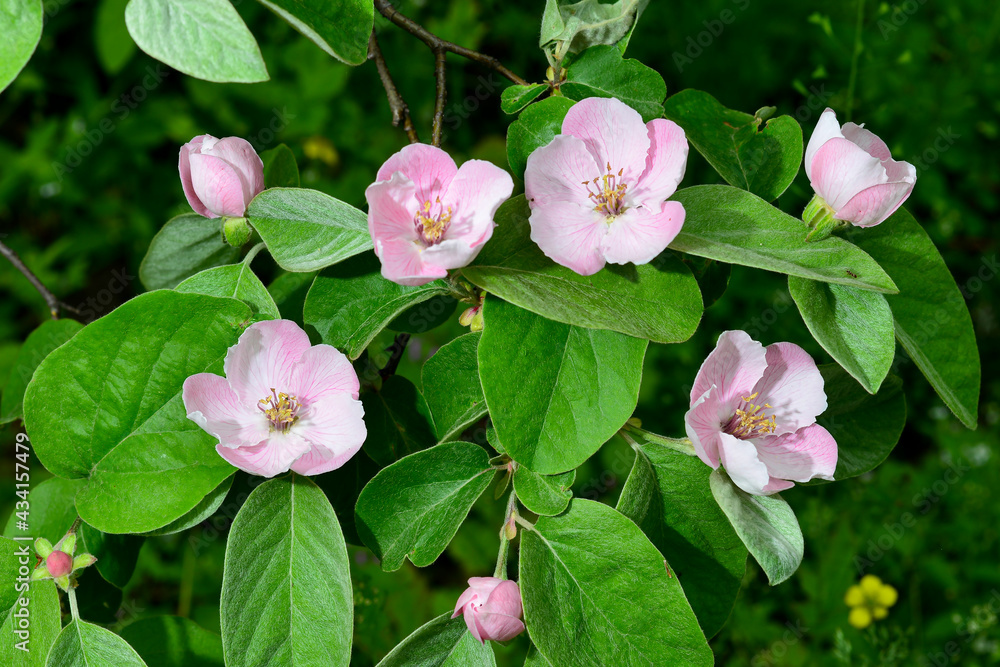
597, 191
220, 176
852, 170
283, 403
492, 609
755, 409
426, 215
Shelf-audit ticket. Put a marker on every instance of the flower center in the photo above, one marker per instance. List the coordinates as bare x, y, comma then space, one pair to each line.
749, 420
608, 192
432, 221
280, 409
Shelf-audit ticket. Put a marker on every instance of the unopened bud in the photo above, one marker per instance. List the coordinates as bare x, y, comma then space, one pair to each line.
236, 231
59, 564
510, 528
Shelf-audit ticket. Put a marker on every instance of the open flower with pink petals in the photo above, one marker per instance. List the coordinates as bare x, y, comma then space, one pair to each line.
283, 405
492, 609
220, 176
598, 191
854, 174
426, 215
754, 410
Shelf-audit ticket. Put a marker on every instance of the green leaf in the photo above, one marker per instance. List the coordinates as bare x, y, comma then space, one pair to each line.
40, 342
113, 43
514, 98
443, 642
751, 154
52, 510
766, 524
44, 614
341, 27
286, 575
237, 281
289, 292
535, 127
735, 226
205, 39
280, 167
350, 303
602, 72
11, 554
596, 592
451, 386
659, 301
853, 325
555, 407
571, 27
306, 230
931, 319
172, 641
82, 644
545, 495
398, 420
21, 26
535, 659
415, 506
198, 513
865, 427
667, 495
184, 246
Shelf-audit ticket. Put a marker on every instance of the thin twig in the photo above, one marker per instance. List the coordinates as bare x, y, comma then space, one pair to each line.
441, 94
54, 304
400, 110
435, 43
395, 355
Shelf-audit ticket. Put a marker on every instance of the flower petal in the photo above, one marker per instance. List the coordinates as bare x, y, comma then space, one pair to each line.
392, 206
570, 235
335, 428
244, 159
213, 405
323, 371
613, 133
218, 186
665, 163
264, 359
402, 263
271, 457
873, 205
793, 386
470, 622
560, 172
734, 366
799, 456
639, 235
827, 128
742, 464
703, 426
449, 254
841, 170
467, 596
184, 167
476, 192
429, 167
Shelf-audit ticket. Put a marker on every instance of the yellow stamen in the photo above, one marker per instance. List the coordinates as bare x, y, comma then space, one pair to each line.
431, 226
280, 409
609, 195
751, 421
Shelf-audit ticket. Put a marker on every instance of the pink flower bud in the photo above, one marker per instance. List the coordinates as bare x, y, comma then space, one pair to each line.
59, 564
220, 176
852, 170
492, 609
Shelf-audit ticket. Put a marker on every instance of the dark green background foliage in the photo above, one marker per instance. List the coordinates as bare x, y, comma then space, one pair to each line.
89, 135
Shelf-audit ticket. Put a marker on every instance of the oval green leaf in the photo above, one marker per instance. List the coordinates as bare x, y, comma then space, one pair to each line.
184, 246
45, 618
40, 342
451, 385
545, 495
514, 98
601, 71
21, 26
442, 642
82, 644
339, 27
236, 281
534, 128
280, 168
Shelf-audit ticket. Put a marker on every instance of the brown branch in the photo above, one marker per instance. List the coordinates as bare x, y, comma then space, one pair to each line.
395, 355
441, 94
54, 304
436, 44
400, 110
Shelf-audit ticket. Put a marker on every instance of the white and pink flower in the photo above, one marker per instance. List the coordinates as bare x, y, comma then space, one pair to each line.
283, 405
598, 191
220, 176
853, 172
492, 609
426, 215
754, 410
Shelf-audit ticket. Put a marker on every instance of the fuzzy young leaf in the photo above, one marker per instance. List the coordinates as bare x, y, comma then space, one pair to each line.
853, 325
602, 72
766, 524
414, 507
555, 392
172, 641
659, 301
760, 156
205, 39
45, 615
21, 26
82, 644
571, 27
731, 225
545, 495
286, 574
237, 281
442, 642
186, 245
307, 230
514, 98
596, 592
451, 386
40, 342
339, 27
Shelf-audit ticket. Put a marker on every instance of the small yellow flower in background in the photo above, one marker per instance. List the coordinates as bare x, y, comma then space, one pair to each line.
869, 600
321, 148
